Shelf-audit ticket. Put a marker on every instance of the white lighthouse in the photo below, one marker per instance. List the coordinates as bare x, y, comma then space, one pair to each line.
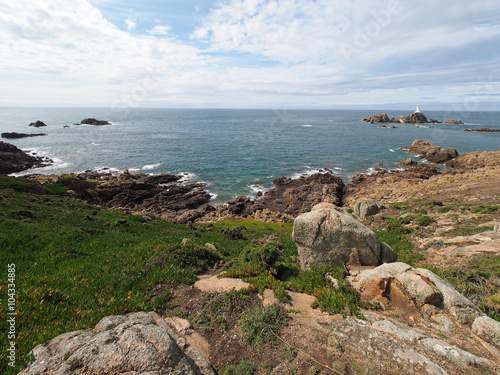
418, 108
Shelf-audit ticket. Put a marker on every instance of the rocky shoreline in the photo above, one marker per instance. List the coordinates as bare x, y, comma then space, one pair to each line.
172, 198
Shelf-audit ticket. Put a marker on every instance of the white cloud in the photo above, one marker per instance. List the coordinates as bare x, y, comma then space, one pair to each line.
269, 53
159, 30
131, 23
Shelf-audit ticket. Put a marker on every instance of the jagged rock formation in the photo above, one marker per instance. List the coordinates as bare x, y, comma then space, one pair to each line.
328, 237
138, 343
162, 195
431, 152
13, 160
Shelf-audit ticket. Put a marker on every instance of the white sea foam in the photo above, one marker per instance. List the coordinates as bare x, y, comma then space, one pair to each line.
258, 188
151, 166
391, 150
307, 126
188, 177
311, 171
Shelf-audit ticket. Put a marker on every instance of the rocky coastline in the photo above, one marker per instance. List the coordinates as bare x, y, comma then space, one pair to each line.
171, 198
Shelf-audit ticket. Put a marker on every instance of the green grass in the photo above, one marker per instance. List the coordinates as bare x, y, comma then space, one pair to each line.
245, 367
260, 326
400, 243
76, 263
478, 281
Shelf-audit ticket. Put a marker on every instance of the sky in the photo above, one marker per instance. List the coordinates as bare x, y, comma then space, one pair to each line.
250, 53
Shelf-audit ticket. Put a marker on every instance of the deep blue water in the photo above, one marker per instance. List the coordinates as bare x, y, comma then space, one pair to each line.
234, 150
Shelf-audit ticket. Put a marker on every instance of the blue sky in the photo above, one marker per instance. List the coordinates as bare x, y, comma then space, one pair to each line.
251, 53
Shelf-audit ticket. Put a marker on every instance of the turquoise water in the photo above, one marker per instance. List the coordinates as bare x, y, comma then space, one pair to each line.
237, 152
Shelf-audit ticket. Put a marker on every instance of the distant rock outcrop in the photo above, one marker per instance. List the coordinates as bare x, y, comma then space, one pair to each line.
329, 237
454, 122
431, 152
14, 135
13, 160
414, 118
37, 124
375, 119
138, 343
483, 130
93, 121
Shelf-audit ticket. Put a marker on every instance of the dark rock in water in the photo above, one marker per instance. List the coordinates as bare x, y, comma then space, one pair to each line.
138, 343
15, 135
483, 130
434, 121
93, 121
383, 118
37, 124
454, 122
431, 152
13, 160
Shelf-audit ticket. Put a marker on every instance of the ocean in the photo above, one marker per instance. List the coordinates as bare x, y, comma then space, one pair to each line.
235, 151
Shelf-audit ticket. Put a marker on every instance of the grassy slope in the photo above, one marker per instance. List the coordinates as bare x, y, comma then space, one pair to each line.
76, 263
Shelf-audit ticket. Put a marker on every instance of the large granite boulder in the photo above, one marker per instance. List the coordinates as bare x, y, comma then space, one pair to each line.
402, 287
13, 160
431, 152
368, 207
328, 237
138, 343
